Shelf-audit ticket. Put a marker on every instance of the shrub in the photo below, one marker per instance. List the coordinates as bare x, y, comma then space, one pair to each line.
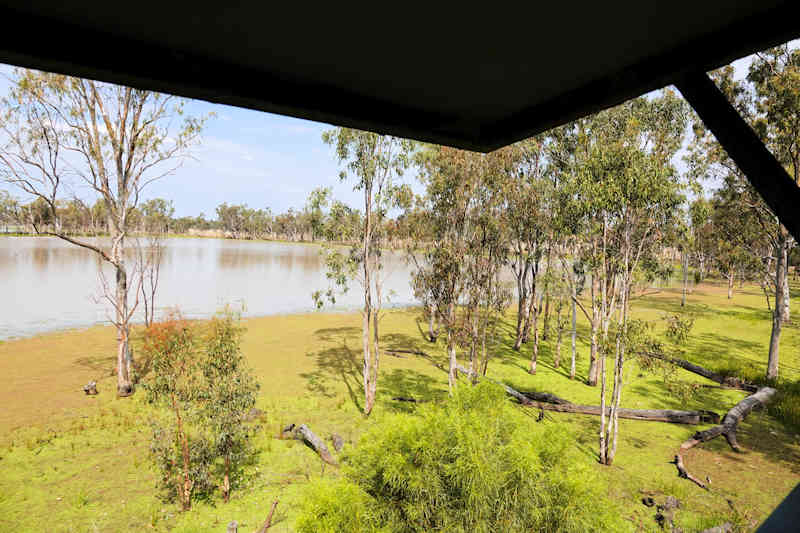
475, 463
167, 454
337, 506
229, 394
199, 376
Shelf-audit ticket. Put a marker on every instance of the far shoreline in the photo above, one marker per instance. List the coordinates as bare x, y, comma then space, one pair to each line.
244, 318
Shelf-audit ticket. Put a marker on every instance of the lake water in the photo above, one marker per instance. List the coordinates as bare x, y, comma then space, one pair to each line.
47, 284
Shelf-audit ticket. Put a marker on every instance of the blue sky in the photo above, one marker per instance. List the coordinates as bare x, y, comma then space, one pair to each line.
248, 157
258, 159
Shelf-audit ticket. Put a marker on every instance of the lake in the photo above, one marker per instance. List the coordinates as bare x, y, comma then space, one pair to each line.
47, 284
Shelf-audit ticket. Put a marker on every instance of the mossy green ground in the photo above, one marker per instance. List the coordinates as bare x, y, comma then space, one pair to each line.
69, 462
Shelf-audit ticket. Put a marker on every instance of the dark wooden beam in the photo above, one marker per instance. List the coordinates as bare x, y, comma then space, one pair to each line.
767, 175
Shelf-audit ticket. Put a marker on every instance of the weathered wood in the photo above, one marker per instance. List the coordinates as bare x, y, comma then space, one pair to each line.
731, 421
682, 472
726, 381
90, 389
304, 434
728, 428
338, 442
268, 521
666, 512
654, 415
551, 402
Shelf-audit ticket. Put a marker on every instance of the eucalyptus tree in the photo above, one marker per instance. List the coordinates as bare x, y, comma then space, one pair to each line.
374, 162
631, 192
458, 275
769, 99
317, 202
775, 76
700, 212
525, 200
485, 294
67, 137
732, 234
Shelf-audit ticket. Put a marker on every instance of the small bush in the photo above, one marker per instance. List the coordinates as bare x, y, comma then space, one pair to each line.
200, 378
333, 506
476, 463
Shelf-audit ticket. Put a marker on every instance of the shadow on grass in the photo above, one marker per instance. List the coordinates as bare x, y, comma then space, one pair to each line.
336, 364
98, 363
758, 434
406, 383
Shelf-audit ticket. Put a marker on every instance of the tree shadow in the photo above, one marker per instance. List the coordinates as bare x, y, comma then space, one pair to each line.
99, 362
409, 384
335, 364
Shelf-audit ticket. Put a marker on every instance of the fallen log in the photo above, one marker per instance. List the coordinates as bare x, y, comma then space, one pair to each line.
726, 381
727, 429
551, 402
525, 398
654, 415
304, 434
731, 421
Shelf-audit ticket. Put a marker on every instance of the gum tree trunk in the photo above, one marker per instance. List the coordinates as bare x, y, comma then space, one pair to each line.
124, 356
730, 284
451, 352
685, 261
780, 310
557, 361
574, 334
369, 394
522, 302
535, 347
433, 334
595, 326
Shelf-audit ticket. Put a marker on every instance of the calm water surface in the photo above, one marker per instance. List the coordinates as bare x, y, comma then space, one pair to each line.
47, 284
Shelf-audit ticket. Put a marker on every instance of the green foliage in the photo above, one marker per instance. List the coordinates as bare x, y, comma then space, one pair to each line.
786, 405
201, 378
475, 463
165, 453
677, 336
337, 506
230, 392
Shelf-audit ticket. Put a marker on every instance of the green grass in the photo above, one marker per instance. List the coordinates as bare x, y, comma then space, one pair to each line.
69, 462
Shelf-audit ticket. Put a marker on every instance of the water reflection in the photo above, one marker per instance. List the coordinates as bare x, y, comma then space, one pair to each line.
48, 284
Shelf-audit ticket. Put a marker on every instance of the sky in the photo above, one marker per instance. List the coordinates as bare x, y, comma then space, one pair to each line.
256, 158
248, 157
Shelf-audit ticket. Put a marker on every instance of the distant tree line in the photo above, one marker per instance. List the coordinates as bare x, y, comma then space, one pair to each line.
321, 220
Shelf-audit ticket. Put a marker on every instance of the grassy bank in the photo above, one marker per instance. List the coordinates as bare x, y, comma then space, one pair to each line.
69, 462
